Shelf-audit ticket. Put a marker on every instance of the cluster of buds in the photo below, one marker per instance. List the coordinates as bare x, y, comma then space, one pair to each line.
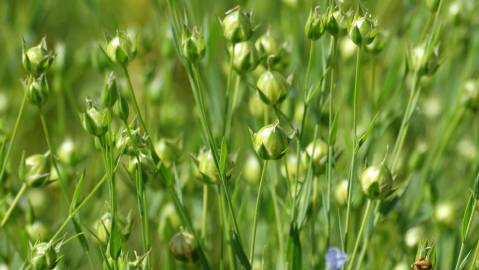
36, 61
270, 142
376, 182
121, 48
183, 247
315, 25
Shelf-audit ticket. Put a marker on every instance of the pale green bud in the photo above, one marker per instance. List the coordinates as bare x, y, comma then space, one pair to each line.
363, 30
183, 247
376, 182
96, 121
237, 25
422, 62
167, 151
103, 227
36, 60
44, 256
37, 90
315, 25
272, 87
206, 166
245, 57
471, 95
318, 151
445, 214
270, 142
341, 192
35, 170
193, 45
122, 48
109, 93
37, 231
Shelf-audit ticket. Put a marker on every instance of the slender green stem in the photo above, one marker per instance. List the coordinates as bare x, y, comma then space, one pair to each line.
133, 97
255, 218
354, 151
14, 134
22, 190
142, 205
228, 110
463, 241
359, 235
205, 211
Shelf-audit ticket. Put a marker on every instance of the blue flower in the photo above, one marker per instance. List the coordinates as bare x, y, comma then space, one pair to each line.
335, 259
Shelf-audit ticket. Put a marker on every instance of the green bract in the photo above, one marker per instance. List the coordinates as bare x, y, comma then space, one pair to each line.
376, 182
245, 57
363, 30
270, 142
37, 90
315, 25
36, 60
35, 170
337, 21
95, 121
206, 166
272, 87
121, 49
237, 25
183, 247
192, 45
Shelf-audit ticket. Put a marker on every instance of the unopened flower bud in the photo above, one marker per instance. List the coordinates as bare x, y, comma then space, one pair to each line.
471, 95
192, 44
121, 108
245, 57
36, 60
37, 90
363, 30
44, 256
35, 170
109, 93
272, 87
251, 169
445, 214
270, 142
183, 247
68, 152
376, 182
423, 62
315, 25
167, 151
103, 227
337, 22
147, 165
206, 166
341, 192
377, 45
266, 45
237, 25
37, 231
121, 49
318, 151
96, 121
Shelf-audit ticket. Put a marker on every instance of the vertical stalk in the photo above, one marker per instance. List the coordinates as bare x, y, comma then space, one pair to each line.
205, 211
142, 206
359, 236
22, 190
255, 218
354, 150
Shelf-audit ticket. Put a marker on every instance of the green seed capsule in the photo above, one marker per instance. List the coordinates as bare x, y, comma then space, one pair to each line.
38, 59
445, 214
270, 142
266, 45
378, 43
315, 25
193, 45
121, 49
109, 94
245, 57
337, 22
183, 247
35, 170
237, 25
37, 90
318, 151
341, 192
422, 62
471, 95
363, 30
103, 227
167, 151
44, 256
96, 121
37, 231
272, 87
376, 182
206, 166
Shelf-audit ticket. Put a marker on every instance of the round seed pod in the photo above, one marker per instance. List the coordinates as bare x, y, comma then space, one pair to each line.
337, 22
237, 25
37, 231
109, 94
270, 142
183, 247
206, 166
272, 87
37, 90
363, 30
341, 192
376, 182
318, 151
266, 45
168, 151
444, 213
43, 256
251, 169
35, 170
315, 25
96, 121
37, 60
245, 56
103, 227
193, 45
121, 49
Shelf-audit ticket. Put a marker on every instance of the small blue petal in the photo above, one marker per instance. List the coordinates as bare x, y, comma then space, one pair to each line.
335, 259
